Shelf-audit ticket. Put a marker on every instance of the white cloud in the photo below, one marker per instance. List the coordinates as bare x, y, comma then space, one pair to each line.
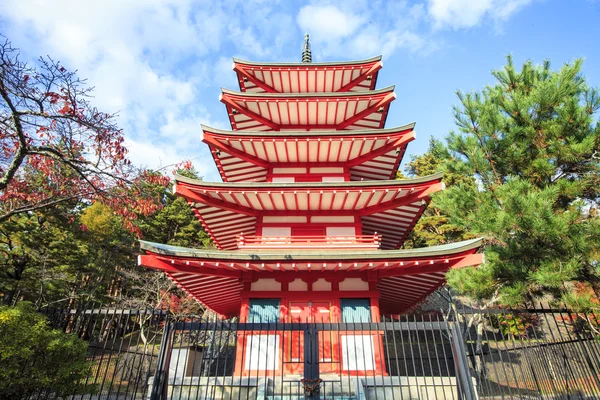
149, 60
458, 14
328, 21
368, 30
159, 63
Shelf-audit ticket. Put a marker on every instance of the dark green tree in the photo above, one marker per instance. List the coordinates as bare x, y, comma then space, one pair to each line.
41, 256
175, 223
531, 141
78, 253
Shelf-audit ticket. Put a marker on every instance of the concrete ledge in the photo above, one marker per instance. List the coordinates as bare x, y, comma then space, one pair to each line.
220, 387
362, 388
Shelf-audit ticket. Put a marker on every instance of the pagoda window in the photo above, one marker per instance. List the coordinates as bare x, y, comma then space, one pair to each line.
333, 179
353, 284
341, 231
308, 231
308, 178
276, 231
283, 179
264, 310
355, 310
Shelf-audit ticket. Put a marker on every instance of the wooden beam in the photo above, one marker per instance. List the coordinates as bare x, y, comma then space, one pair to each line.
419, 194
235, 152
224, 97
369, 110
196, 197
374, 68
408, 137
256, 81
151, 261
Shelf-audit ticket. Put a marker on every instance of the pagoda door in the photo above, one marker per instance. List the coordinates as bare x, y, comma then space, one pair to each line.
313, 312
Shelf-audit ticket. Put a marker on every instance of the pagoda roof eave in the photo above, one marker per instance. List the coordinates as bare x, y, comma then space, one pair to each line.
307, 65
316, 255
310, 111
309, 185
307, 77
390, 208
370, 154
304, 133
284, 96
403, 277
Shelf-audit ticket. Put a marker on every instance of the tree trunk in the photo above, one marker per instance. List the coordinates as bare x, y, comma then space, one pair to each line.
479, 360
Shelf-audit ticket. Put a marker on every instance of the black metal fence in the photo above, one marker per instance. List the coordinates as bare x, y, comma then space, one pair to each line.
541, 352
528, 353
123, 348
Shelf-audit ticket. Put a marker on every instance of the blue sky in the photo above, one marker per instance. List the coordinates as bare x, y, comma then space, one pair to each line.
161, 64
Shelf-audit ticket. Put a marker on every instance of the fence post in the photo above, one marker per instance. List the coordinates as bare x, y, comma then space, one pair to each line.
311, 381
466, 389
160, 383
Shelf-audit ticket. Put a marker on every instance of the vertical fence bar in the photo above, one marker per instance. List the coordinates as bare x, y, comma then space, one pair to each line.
579, 346
193, 347
422, 362
160, 384
201, 344
399, 371
439, 372
136, 356
465, 383
510, 363
174, 370
199, 340
119, 352
386, 349
543, 350
211, 331
105, 327
155, 317
363, 346
116, 334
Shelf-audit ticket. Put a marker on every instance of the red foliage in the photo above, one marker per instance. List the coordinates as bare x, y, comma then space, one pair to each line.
583, 321
178, 305
184, 165
585, 289
56, 147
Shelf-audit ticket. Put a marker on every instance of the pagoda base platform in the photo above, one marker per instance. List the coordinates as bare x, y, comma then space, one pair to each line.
333, 387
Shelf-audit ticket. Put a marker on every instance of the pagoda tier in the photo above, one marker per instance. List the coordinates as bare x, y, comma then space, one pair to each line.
307, 77
222, 279
373, 154
308, 111
229, 211
309, 217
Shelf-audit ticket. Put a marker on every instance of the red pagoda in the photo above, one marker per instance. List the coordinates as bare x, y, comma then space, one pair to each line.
309, 218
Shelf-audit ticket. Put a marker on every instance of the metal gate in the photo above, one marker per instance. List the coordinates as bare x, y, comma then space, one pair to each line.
391, 359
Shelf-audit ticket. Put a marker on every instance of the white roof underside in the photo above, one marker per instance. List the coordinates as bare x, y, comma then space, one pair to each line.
376, 153
330, 111
355, 76
226, 214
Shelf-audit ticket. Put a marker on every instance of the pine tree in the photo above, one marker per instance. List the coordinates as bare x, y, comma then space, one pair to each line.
532, 144
434, 226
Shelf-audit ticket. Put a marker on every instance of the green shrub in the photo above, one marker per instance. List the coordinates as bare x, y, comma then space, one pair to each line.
514, 325
34, 357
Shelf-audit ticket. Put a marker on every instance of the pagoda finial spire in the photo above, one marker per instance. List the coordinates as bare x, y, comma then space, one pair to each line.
306, 53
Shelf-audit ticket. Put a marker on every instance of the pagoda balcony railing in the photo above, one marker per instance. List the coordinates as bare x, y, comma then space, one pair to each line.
309, 242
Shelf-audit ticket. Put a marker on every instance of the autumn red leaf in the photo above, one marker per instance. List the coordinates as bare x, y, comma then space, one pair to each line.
55, 146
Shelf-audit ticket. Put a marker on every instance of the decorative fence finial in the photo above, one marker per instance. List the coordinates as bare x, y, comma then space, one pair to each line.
306, 53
